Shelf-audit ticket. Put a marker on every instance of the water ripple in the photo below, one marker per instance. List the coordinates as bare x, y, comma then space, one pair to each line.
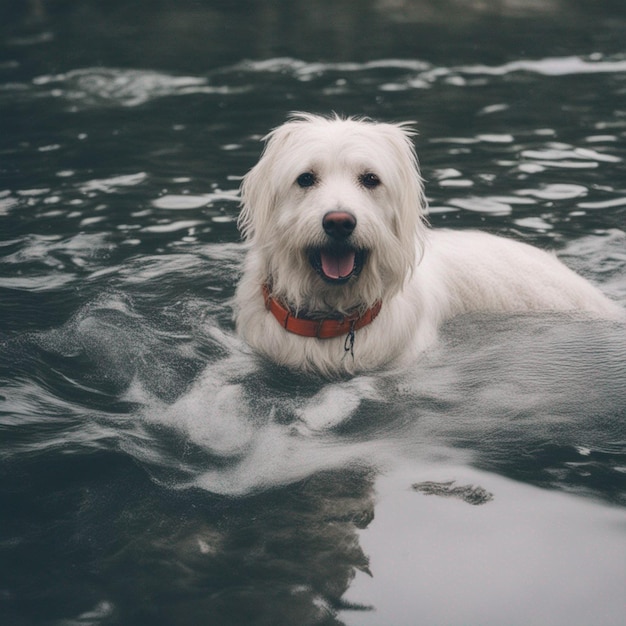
128, 88
553, 66
427, 72
88, 87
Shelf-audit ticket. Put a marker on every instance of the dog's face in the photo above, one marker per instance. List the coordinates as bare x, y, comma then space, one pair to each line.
333, 207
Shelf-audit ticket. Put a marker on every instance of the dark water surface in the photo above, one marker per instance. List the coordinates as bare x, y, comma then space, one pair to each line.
153, 471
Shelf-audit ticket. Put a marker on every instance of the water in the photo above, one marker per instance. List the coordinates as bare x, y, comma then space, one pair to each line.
154, 471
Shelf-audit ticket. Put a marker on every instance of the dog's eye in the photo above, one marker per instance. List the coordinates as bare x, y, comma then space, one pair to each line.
369, 180
307, 179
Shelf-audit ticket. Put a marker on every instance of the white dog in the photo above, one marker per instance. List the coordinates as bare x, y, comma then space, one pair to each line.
343, 274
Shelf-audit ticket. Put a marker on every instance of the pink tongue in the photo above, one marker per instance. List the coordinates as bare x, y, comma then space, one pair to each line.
337, 264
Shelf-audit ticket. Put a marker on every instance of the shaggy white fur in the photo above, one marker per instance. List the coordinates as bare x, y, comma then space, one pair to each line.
333, 214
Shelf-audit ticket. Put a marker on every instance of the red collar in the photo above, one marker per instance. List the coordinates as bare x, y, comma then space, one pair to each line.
323, 328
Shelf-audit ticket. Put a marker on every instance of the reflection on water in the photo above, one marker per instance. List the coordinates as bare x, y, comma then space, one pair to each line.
311, 462
154, 470
518, 556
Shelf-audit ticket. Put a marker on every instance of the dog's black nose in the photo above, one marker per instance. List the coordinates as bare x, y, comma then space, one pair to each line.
339, 224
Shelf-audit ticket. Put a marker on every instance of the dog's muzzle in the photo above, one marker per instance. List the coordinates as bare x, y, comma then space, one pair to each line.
339, 260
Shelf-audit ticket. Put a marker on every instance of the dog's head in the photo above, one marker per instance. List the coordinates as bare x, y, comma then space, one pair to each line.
334, 207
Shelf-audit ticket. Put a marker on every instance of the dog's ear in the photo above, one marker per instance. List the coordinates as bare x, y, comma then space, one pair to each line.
257, 198
259, 190
411, 203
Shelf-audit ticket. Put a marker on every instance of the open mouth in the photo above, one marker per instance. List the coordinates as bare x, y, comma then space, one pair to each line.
337, 264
